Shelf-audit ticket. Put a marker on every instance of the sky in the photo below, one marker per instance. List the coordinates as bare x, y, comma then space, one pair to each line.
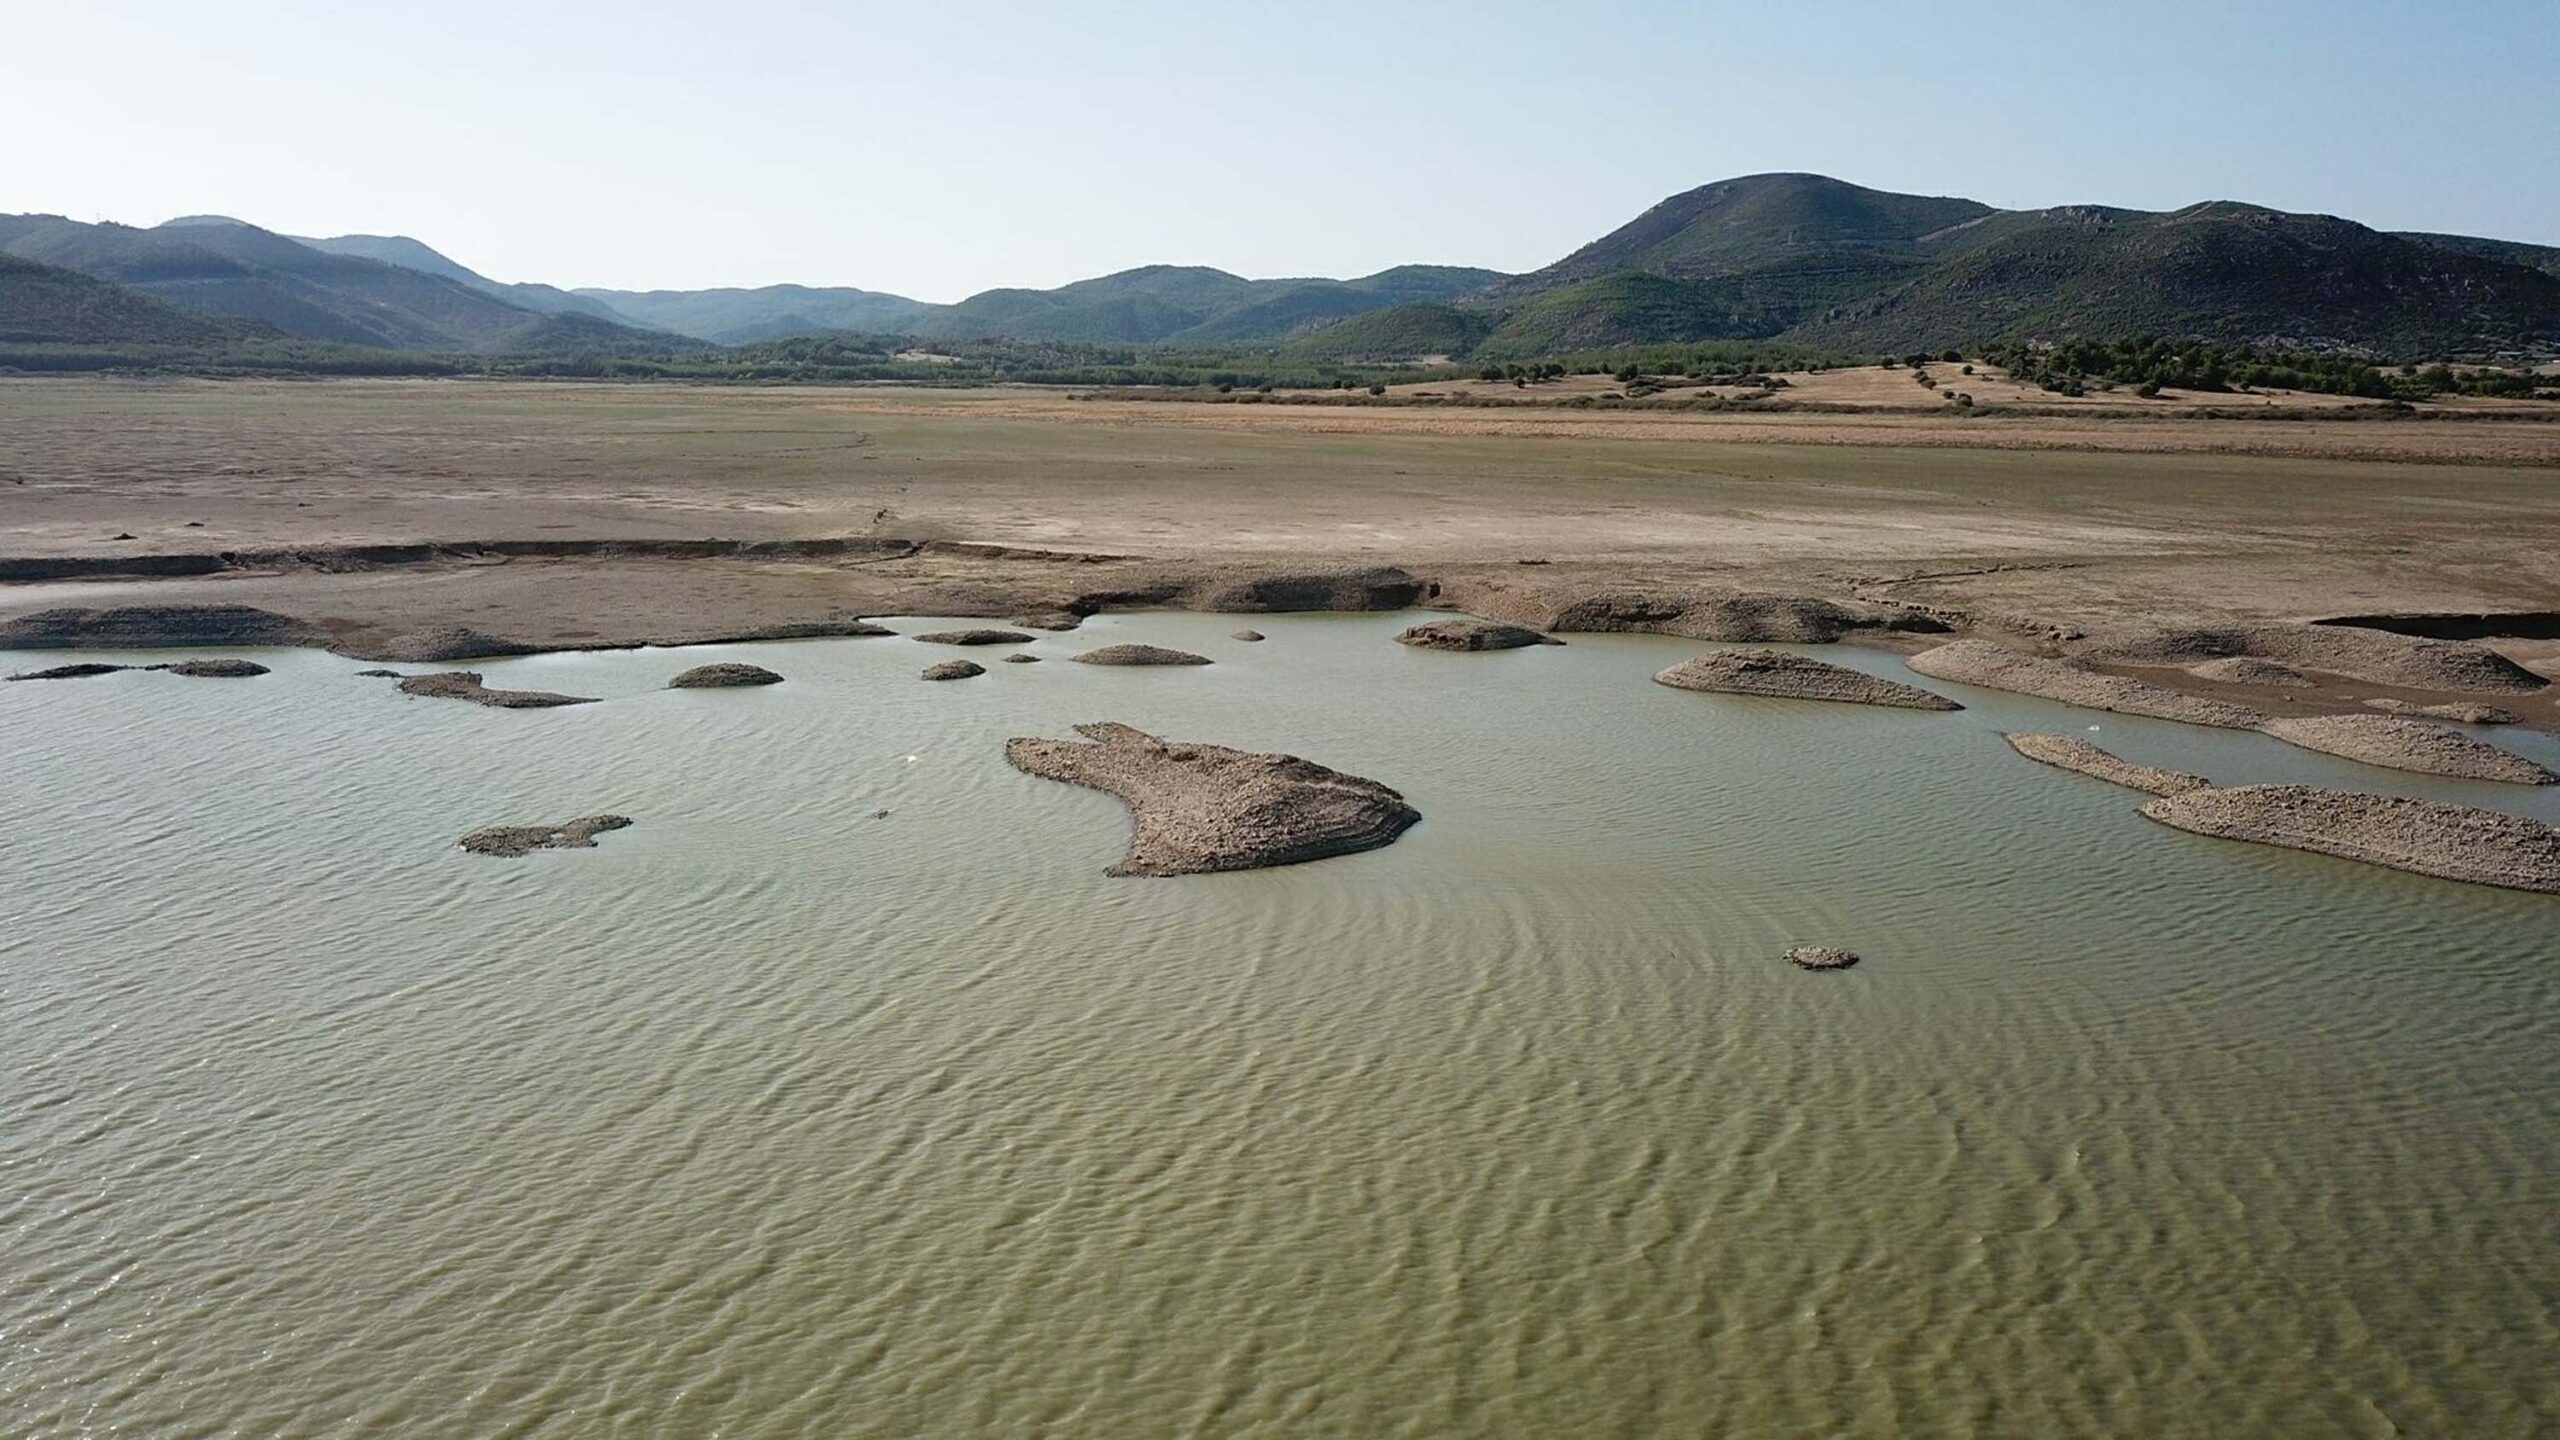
938, 150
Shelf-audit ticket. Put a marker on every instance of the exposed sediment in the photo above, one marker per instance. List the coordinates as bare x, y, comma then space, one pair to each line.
2376, 656
727, 674
2067, 753
1732, 617
2250, 670
1820, 957
954, 670
82, 671
1022, 657
2424, 837
1467, 633
1794, 677
2459, 712
974, 637
465, 685
2400, 744
439, 644
1139, 655
513, 840
139, 627
1201, 808
215, 669
1995, 667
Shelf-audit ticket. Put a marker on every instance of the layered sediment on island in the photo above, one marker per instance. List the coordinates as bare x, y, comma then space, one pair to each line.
1780, 674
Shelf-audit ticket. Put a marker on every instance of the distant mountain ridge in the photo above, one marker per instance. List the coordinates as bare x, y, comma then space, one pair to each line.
1801, 258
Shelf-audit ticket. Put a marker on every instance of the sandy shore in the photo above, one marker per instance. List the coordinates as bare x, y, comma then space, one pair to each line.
428, 520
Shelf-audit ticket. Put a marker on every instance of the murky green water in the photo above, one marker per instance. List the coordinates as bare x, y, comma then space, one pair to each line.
772, 1117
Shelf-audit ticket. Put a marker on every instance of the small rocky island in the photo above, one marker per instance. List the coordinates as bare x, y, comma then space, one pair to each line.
974, 637
1794, 677
1468, 633
194, 669
514, 840
465, 685
2424, 837
1202, 808
1139, 655
1820, 957
954, 670
1997, 667
2067, 752
723, 676
2396, 743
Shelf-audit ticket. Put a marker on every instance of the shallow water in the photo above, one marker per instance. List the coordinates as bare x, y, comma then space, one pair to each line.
772, 1116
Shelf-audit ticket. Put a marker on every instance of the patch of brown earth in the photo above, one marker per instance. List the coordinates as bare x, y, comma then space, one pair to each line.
2424, 837
1996, 667
1139, 655
465, 685
2067, 753
439, 644
514, 840
1202, 808
1794, 677
2398, 744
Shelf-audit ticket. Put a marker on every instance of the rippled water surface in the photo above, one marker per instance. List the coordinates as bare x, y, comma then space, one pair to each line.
776, 1115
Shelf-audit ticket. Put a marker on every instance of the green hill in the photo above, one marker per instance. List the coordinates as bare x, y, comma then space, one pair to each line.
745, 316
417, 255
45, 304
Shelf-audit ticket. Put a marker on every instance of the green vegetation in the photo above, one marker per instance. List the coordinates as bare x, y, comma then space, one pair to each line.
2149, 365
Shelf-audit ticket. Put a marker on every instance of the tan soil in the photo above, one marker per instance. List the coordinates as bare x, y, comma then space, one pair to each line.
465, 685
2399, 744
514, 840
1199, 808
2358, 654
1794, 677
2069, 753
2425, 837
1979, 662
1471, 634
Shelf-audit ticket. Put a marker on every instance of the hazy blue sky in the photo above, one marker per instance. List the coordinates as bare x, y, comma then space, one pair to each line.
938, 150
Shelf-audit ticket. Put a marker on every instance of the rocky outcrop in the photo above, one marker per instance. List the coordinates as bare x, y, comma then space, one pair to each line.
1819, 957
514, 840
1248, 636
2459, 712
2250, 670
727, 674
1382, 587
2399, 744
2406, 661
1781, 675
216, 669
438, 644
81, 671
465, 685
1995, 667
1022, 657
2424, 837
2065, 752
954, 670
1139, 655
1201, 808
1468, 633
138, 627
974, 637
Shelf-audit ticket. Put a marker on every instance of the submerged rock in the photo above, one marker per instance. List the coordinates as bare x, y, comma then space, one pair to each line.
465, 685
1819, 957
722, 676
1202, 808
2423, 837
217, 669
2466, 714
1247, 636
974, 637
1022, 657
2398, 744
1794, 677
512, 840
81, 671
1995, 667
1139, 655
1468, 633
2067, 753
954, 670
378, 675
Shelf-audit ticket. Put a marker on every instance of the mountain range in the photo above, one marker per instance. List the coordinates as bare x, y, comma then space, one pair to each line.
1800, 258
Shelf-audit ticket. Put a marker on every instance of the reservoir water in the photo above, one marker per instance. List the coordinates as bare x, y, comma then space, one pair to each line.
779, 1115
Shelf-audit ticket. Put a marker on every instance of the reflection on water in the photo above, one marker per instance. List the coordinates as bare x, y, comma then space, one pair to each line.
775, 1116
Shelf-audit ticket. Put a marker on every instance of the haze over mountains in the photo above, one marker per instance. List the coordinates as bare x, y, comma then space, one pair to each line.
1801, 258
